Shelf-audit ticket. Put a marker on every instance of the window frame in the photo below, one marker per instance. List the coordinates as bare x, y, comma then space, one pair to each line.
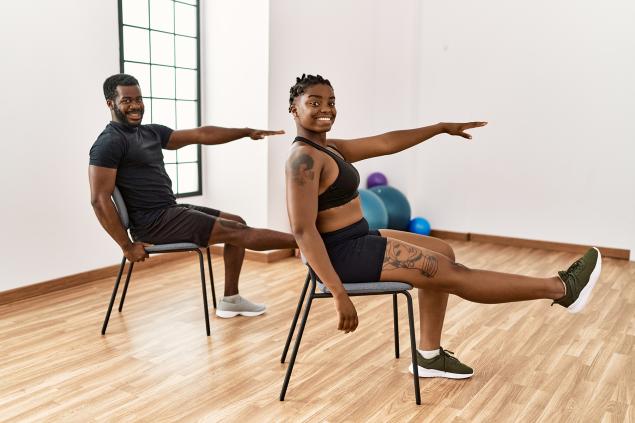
198, 100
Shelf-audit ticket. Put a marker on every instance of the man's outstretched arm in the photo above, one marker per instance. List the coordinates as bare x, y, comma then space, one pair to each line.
102, 185
211, 135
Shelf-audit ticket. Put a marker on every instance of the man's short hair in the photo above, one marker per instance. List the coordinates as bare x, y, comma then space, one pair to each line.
111, 83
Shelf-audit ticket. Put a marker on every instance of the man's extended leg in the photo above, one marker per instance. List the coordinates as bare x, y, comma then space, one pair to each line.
238, 233
233, 231
233, 256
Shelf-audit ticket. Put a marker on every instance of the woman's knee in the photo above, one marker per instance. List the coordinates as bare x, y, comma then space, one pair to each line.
446, 250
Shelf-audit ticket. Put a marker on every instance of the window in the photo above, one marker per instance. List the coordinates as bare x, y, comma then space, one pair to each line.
159, 44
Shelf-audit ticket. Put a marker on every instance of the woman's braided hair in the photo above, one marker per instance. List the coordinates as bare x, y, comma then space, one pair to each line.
303, 83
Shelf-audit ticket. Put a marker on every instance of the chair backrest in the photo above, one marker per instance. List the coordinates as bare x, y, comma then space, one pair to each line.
121, 208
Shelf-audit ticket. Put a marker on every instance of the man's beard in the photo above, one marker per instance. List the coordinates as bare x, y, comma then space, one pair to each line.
124, 119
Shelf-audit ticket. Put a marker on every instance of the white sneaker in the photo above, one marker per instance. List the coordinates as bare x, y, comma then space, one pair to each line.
235, 305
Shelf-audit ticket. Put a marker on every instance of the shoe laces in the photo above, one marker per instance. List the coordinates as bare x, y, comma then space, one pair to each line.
575, 266
447, 354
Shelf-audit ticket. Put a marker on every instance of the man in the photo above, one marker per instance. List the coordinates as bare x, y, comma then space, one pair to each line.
128, 154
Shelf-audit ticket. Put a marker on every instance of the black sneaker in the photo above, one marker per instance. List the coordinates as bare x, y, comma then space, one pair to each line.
443, 365
580, 278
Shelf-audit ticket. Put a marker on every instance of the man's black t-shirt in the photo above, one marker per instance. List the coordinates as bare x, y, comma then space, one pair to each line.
141, 177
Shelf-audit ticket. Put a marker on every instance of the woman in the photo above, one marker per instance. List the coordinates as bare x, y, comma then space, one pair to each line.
327, 221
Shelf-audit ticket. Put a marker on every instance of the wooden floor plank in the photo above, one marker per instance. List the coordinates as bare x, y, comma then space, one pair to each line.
533, 362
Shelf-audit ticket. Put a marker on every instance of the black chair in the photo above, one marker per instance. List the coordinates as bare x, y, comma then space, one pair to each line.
353, 290
155, 249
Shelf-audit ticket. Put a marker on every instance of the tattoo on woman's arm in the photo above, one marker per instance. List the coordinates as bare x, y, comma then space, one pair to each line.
302, 169
401, 256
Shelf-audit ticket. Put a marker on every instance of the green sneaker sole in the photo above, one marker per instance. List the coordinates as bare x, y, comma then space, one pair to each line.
585, 294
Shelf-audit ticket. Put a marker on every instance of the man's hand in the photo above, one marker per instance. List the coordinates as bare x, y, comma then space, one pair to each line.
258, 134
136, 251
460, 128
347, 313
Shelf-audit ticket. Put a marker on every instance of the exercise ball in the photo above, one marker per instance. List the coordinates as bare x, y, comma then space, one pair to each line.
420, 226
397, 206
373, 209
376, 179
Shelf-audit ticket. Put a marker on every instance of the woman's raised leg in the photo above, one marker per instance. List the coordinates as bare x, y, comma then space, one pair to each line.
432, 303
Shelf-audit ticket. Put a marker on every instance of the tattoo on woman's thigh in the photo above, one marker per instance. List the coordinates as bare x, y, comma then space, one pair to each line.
401, 256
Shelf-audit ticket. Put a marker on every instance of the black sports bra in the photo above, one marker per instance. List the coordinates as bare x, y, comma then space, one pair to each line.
344, 189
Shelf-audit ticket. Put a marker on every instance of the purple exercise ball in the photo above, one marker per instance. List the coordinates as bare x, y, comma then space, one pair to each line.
376, 179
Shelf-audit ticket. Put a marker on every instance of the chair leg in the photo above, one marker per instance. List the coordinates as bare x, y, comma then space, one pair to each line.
296, 346
295, 318
395, 324
211, 276
125, 286
413, 348
200, 260
114, 295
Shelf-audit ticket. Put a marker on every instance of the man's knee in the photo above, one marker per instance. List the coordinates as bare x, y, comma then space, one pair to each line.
233, 217
232, 225
241, 220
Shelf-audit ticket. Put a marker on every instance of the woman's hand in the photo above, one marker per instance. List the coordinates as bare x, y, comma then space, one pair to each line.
460, 128
346, 312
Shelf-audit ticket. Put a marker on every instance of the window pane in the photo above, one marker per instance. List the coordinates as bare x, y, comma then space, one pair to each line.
162, 48
188, 153
157, 50
188, 177
185, 19
186, 53
135, 12
186, 114
147, 112
136, 44
163, 82
163, 112
186, 84
162, 15
142, 73
171, 170
169, 156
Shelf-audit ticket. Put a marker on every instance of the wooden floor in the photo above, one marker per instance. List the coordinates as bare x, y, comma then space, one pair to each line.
532, 362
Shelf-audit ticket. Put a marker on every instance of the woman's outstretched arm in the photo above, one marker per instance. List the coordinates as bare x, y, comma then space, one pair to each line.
395, 141
303, 171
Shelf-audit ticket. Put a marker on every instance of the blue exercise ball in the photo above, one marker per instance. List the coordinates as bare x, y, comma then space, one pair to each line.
376, 179
374, 210
420, 226
397, 206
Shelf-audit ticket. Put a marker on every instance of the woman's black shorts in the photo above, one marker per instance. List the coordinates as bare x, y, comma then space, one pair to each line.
356, 252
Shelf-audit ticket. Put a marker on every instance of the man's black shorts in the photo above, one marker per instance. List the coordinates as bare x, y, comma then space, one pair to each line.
179, 223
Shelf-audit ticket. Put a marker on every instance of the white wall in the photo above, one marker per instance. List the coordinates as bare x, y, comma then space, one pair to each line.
55, 57
555, 81
367, 50
235, 73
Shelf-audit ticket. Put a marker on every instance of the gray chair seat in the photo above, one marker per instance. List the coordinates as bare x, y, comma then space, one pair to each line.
369, 287
178, 246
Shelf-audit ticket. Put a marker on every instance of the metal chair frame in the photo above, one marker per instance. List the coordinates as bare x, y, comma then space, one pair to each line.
157, 249
311, 277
